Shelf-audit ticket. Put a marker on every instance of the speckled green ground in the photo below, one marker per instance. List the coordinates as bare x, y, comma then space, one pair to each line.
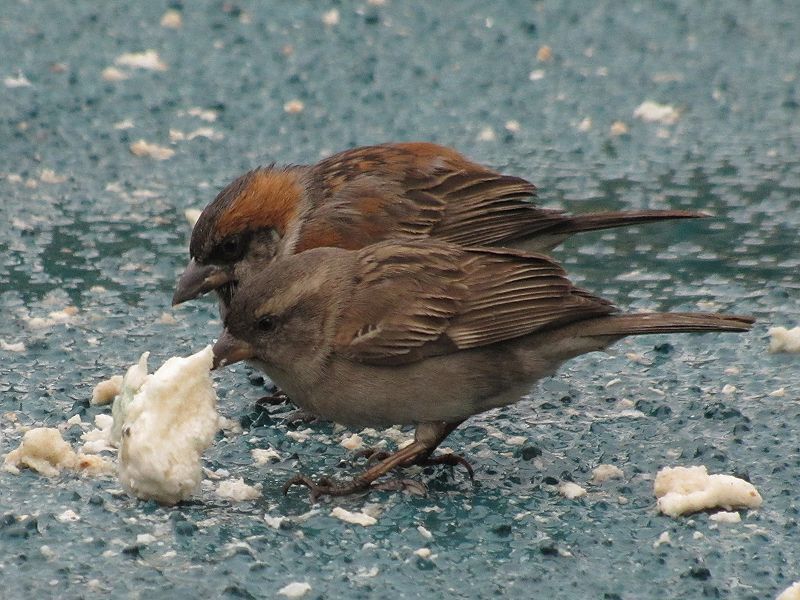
78, 210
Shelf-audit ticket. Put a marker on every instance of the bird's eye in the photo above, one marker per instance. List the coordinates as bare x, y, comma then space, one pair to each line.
231, 248
266, 324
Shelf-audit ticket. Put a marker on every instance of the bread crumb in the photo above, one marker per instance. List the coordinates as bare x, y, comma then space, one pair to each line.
356, 518
571, 490
536, 75
171, 19
686, 490
237, 490
585, 124
486, 134
663, 539
618, 128
45, 451
68, 516
544, 54
784, 340
728, 389
50, 176
149, 60
114, 74
144, 148
15, 347
602, 473
513, 126
203, 114
296, 589
105, 391
726, 517
166, 319
167, 420
424, 553
294, 107
779, 393
263, 456
653, 112
17, 82
424, 532
330, 18
352, 442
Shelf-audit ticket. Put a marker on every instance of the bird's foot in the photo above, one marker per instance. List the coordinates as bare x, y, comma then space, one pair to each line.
326, 486
450, 459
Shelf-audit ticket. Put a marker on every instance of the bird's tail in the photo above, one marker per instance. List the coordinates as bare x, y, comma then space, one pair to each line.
644, 323
610, 220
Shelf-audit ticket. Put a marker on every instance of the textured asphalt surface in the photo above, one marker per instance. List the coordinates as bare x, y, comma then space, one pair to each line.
246, 83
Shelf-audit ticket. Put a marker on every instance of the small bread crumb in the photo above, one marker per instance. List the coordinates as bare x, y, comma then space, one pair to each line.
330, 18
148, 60
571, 490
237, 490
653, 112
726, 517
602, 473
263, 456
784, 340
294, 107
144, 148
15, 347
43, 450
352, 442
686, 490
296, 589
618, 128
423, 553
171, 19
663, 539
544, 54
356, 518
105, 391
114, 74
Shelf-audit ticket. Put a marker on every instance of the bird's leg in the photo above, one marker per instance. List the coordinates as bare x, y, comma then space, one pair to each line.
373, 455
426, 438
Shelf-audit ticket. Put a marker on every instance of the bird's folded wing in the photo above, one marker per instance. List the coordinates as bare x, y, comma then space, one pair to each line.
419, 190
427, 298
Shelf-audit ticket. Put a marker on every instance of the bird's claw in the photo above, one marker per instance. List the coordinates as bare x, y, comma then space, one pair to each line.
297, 417
451, 460
372, 455
273, 400
326, 486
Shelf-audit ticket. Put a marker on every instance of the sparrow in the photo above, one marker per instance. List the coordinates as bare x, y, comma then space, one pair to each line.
400, 191
424, 333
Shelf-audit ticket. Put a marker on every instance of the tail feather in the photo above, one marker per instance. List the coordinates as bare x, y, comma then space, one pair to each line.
646, 323
610, 220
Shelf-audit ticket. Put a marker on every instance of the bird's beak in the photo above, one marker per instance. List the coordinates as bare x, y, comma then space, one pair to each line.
229, 350
199, 279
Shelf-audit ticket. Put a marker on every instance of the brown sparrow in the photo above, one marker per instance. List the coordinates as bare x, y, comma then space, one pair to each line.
401, 191
423, 333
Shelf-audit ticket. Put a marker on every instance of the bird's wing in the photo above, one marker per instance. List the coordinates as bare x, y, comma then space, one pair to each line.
417, 190
427, 298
